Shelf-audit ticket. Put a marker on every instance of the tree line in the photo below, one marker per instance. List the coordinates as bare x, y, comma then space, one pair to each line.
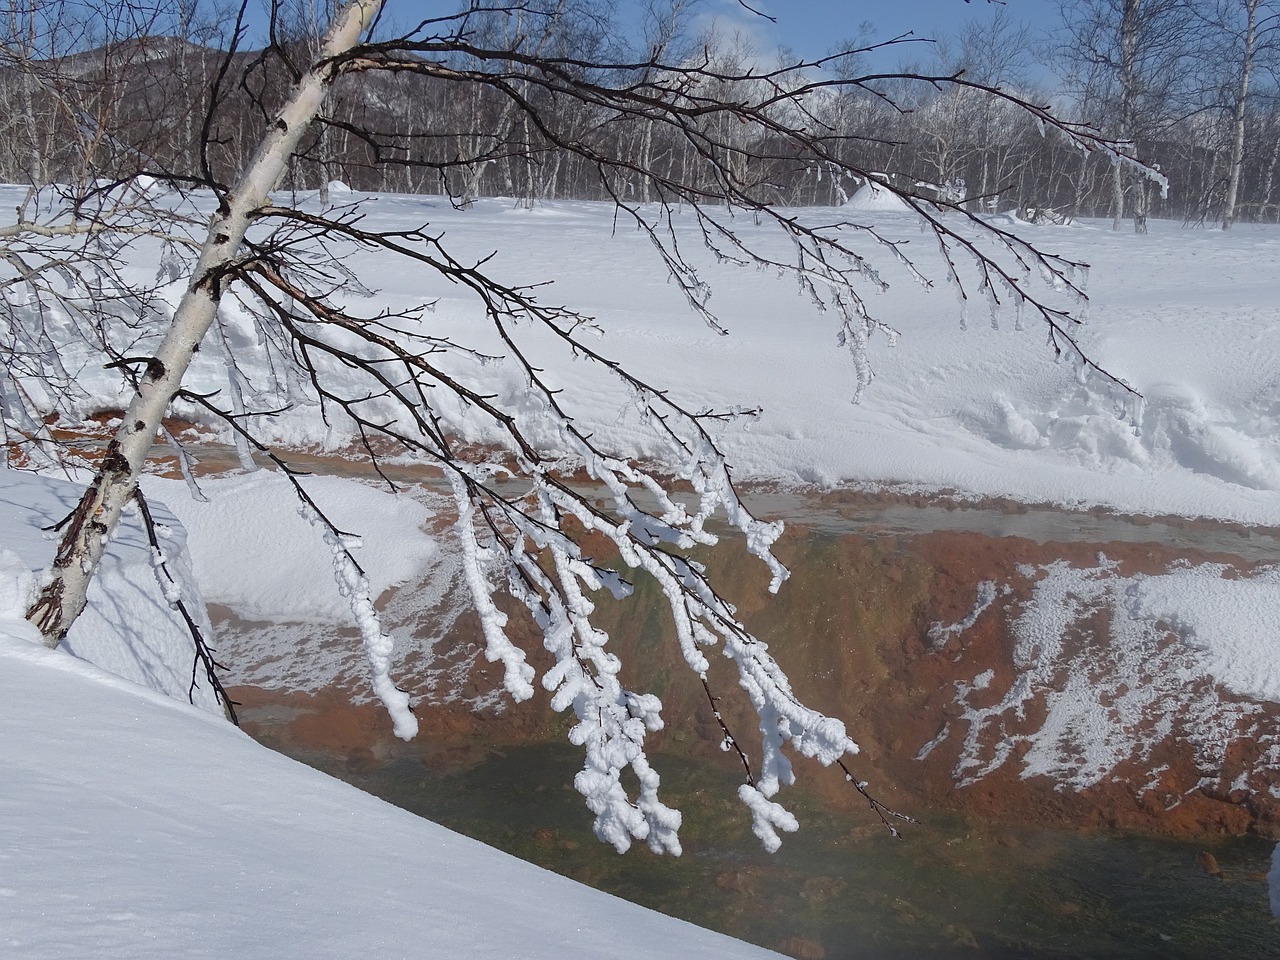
1189, 85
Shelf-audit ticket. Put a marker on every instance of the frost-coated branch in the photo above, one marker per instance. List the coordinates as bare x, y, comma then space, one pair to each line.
378, 645
171, 588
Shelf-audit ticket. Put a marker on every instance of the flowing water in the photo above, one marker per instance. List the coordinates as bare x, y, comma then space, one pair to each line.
957, 885
842, 887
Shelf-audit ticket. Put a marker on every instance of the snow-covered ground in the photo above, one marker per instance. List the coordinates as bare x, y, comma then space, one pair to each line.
1189, 317
134, 825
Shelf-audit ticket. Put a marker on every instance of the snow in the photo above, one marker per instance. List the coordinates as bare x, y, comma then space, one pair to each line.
939, 634
1232, 622
278, 568
1106, 702
873, 197
128, 627
1189, 318
135, 826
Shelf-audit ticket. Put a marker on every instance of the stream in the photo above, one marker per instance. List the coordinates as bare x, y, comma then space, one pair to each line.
1008, 867
952, 887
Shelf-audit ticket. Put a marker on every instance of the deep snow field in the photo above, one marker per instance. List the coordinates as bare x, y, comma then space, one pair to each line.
1189, 318
133, 826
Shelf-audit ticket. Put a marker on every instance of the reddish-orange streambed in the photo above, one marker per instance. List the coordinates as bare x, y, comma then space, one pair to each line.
1161, 857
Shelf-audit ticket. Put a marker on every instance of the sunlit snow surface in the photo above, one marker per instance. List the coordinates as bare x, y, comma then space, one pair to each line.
276, 567
1189, 317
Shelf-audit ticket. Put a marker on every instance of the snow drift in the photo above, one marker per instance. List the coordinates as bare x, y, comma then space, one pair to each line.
873, 197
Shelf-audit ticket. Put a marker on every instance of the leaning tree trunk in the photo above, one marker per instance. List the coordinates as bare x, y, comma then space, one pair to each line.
98, 513
1117, 196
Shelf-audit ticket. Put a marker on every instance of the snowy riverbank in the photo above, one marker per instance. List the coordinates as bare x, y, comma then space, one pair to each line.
1190, 318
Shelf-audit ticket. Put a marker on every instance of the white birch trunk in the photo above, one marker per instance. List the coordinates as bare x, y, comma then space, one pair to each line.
1128, 111
98, 514
1269, 181
1242, 96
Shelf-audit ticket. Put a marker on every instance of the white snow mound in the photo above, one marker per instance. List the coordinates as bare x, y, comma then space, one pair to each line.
128, 627
277, 567
875, 197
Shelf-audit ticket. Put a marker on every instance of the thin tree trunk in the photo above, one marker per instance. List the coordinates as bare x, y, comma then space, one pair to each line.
1128, 112
98, 513
35, 166
1117, 196
1268, 183
1242, 96
1141, 203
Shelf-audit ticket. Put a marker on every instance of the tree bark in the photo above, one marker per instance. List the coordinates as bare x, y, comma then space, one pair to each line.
1128, 110
98, 514
1242, 96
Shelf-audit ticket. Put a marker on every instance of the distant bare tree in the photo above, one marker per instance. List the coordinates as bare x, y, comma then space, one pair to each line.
1233, 37
1127, 59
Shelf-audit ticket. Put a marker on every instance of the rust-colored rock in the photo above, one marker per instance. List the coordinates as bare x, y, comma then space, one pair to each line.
802, 948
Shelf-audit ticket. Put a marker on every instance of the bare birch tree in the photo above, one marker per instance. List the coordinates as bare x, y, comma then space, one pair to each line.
1233, 36
1133, 51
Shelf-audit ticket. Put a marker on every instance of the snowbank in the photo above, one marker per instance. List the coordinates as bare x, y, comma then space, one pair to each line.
128, 626
136, 827
276, 566
873, 197
1188, 318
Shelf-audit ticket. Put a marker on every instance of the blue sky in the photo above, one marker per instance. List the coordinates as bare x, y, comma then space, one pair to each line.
809, 27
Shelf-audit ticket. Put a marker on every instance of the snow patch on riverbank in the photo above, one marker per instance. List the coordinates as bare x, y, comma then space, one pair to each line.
1230, 623
1118, 665
253, 550
257, 557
